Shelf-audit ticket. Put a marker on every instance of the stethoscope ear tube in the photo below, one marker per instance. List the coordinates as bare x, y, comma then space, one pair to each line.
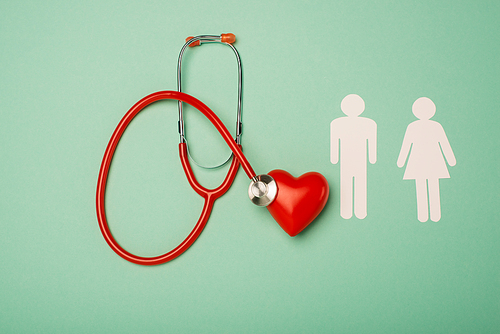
209, 196
226, 39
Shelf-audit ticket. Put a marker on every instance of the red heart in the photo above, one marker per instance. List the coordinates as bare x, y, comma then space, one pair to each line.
299, 200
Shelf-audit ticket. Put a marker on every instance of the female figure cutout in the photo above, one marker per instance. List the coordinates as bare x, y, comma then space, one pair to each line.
426, 165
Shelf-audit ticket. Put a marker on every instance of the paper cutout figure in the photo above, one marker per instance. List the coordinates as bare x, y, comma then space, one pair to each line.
428, 142
352, 134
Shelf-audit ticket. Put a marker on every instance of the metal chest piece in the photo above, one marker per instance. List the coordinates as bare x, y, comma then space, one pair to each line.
262, 190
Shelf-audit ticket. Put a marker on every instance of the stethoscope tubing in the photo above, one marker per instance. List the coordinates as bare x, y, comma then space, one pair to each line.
209, 195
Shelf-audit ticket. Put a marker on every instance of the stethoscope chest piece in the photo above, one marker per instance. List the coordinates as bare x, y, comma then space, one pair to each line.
262, 190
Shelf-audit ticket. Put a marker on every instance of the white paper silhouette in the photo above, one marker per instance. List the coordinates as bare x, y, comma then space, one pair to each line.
353, 135
426, 142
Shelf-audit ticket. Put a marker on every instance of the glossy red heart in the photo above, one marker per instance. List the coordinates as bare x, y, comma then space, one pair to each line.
299, 200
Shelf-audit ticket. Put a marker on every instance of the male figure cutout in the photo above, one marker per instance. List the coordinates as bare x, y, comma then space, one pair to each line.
352, 134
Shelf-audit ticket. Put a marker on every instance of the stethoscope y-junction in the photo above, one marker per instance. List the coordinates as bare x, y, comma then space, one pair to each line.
293, 202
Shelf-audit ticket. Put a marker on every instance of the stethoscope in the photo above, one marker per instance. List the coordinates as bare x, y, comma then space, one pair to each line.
263, 189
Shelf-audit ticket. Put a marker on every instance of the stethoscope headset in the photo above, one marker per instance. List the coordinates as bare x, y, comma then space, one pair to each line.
293, 202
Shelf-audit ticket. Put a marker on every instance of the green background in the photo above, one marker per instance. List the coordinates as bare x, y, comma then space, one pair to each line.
69, 72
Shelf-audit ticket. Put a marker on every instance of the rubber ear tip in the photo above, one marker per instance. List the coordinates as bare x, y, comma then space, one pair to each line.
228, 38
196, 43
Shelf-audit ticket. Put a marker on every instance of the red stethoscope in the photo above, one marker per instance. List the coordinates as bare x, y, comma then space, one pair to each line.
293, 202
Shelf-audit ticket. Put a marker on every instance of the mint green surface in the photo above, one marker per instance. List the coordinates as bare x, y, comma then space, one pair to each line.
70, 70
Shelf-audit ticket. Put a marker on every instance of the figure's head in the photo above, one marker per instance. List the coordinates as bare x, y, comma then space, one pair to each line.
424, 108
352, 105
